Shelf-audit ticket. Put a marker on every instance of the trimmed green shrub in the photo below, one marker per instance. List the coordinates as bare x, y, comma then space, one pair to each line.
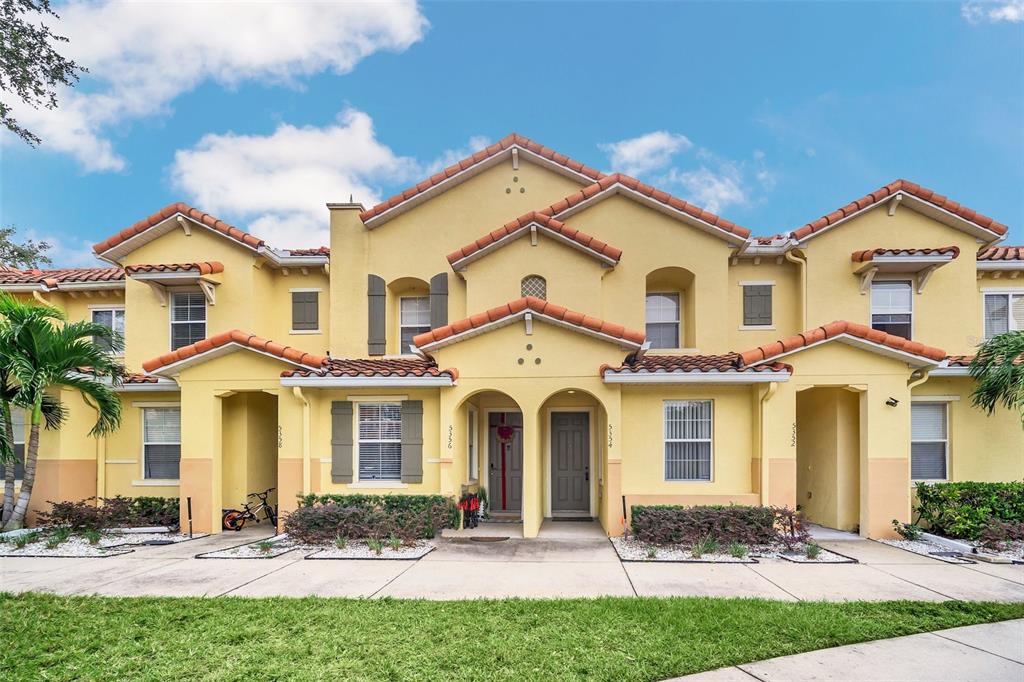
116, 512
321, 519
964, 509
678, 525
440, 509
998, 533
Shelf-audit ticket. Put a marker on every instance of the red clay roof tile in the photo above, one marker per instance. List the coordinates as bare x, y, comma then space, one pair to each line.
59, 276
870, 254
204, 268
674, 364
1001, 253
241, 338
889, 190
386, 367
166, 212
539, 306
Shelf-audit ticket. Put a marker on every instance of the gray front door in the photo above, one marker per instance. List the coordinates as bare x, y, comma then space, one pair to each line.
570, 463
505, 461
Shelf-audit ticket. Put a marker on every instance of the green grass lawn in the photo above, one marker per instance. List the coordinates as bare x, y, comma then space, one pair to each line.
99, 638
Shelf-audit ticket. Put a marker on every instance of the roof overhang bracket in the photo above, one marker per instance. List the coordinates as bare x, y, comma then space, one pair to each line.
528, 320
893, 203
208, 291
185, 227
515, 159
159, 290
924, 276
866, 278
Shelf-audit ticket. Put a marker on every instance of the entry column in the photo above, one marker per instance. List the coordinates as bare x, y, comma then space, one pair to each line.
533, 490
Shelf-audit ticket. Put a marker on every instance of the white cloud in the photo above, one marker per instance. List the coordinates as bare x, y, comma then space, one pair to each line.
978, 12
650, 152
452, 156
141, 56
66, 251
713, 190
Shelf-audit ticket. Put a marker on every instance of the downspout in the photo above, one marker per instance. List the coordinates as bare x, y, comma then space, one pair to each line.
773, 387
101, 458
297, 391
802, 262
914, 383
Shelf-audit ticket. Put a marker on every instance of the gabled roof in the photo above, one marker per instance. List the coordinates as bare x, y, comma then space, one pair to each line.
941, 206
854, 334
727, 368
376, 372
674, 206
469, 166
61, 278
868, 255
519, 309
227, 342
119, 242
204, 268
519, 227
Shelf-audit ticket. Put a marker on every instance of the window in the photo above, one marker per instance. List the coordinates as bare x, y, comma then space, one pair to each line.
928, 441
413, 319
891, 308
1003, 313
757, 305
687, 440
305, 311
111, 318
161, 442
188, 318
18, 423
534, 285
471, 452
380, 441
662, 313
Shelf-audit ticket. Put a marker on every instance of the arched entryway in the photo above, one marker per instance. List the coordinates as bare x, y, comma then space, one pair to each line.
494, 451
570, 420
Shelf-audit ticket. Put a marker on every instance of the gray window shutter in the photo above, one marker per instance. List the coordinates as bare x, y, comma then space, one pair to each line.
412, 441
305, 312
757, 304
341, 441
439, 300
376, 293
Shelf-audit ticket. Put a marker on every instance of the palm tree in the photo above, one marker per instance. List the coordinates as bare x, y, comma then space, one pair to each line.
998, 367
39, 349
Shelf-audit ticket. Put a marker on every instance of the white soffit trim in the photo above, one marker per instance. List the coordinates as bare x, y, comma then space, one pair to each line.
515, 317
1001, 265
166, 225
864, 344
468, 173
366, 382
613, 377
522, 232
217, 352
618, 188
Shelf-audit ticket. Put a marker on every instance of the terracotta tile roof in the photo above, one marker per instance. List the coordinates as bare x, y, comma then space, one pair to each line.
384, 367
609, 181
521, 306
832, 330
498, 147
959, 360
318, 251
55, 277
241, 338
870, 254
204, 268
892, 188
674, 364
1002, 253
163, 214
519, 227
139, 379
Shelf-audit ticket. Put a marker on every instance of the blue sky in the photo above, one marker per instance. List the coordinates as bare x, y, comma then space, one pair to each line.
770, 114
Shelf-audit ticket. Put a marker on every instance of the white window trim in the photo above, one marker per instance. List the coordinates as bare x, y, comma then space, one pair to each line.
1009, 312
474, 442
142, 439
756, 328
357, 443
944, 441
895, 278
170, 313
305, 290
665, 439
111, 308
405, 351
679, 316
757, 283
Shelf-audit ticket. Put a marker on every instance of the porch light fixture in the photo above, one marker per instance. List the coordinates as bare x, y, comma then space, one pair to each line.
892, 402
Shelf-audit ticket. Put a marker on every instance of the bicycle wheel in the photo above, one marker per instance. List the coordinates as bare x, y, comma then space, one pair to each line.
233, 520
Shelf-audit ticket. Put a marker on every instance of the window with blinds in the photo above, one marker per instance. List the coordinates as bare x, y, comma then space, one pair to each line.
1003, 313
413, 319
161, 442
19, 424
892, 308
112, 318
380, 442
757, 305
662, 315
688, 440
188, 318
928, 441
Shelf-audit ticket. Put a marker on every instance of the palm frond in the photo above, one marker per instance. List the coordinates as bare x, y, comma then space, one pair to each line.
998, 369
105, 400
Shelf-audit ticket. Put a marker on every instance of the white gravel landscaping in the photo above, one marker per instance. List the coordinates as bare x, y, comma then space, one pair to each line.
282, 544
117, 539
358, 549
925, 548
260, 549
824, 557
1012, 551
73, 547
630, 549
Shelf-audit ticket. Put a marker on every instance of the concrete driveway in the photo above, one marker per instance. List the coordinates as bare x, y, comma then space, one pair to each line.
571, 561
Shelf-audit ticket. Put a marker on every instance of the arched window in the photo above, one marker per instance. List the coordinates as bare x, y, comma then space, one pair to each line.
534, 285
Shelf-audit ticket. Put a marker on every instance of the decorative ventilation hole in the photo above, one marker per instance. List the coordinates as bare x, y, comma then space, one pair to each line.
535, 285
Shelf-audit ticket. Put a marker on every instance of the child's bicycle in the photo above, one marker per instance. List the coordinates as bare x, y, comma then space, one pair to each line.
234, 519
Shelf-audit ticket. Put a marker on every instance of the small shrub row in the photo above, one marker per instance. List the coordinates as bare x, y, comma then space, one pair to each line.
751, 526
965, 509
324, 519
115, 512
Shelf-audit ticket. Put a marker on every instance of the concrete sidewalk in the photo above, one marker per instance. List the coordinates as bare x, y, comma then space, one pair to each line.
569, 561
993, 652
